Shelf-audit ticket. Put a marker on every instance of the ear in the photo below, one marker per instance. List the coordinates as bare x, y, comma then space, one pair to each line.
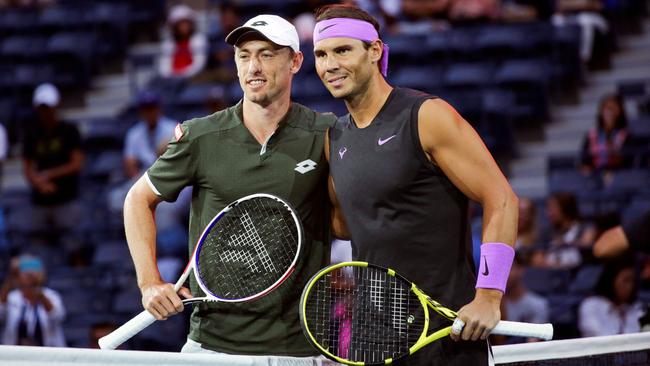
296, 62
376, 50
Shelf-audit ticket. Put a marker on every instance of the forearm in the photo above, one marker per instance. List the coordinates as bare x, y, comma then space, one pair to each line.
73, 167
500, 214
140, 228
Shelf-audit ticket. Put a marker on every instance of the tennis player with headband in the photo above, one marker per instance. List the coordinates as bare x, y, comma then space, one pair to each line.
402, 167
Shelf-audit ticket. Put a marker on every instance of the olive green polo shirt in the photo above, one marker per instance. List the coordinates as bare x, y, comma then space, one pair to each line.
219, 157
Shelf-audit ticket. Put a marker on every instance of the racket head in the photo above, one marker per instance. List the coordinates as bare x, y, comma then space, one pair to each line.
248, 249
358, 313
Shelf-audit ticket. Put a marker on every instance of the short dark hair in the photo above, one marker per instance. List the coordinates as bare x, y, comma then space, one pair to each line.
568, 204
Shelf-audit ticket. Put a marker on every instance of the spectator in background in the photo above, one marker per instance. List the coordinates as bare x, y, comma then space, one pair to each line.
522, 305
473, 11
144, 143
602, 147
585, 13
220, 63
52, 162
185, 54
618, 240
148, 138
527, 230
614, 308
568, 233
419, 16
33, 313
527, 233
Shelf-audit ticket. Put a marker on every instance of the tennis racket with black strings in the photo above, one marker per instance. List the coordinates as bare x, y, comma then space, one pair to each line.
357, 313
247, 250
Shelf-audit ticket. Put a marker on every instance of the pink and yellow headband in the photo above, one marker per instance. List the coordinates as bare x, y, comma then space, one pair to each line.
350, 28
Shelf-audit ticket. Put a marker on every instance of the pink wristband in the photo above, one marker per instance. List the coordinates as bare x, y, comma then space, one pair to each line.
496, 260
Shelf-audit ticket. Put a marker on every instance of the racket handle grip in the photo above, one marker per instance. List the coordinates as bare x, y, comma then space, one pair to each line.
127, 330
528, 330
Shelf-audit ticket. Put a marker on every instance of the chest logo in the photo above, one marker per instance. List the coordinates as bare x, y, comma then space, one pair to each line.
305, 166
383, 141
342, 152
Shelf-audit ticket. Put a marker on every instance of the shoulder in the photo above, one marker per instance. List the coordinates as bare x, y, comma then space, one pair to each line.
310, 119
439, 120
135, 131
595, 304
51, 294
223, 120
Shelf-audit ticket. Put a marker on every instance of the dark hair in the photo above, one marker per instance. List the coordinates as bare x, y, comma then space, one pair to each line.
568, 204
605, 285
621, 121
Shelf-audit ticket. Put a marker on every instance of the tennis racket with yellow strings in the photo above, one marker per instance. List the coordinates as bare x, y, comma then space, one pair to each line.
357, 313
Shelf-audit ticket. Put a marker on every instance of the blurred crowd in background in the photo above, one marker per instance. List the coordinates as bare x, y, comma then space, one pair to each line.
67, 277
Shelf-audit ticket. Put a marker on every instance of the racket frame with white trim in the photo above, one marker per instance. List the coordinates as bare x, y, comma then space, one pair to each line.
510, 328
145, 318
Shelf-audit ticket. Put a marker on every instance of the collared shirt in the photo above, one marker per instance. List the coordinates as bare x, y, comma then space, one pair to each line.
17, 309
598, 316
219, 157
143, 144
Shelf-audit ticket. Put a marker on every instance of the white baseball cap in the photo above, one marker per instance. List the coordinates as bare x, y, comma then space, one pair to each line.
274, 28
46, 94
181, 12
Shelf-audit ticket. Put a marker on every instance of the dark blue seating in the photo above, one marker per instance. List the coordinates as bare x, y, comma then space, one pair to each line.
571, 181
425, 78
467, 76
547, 281
585, 279
629, 181
501, 42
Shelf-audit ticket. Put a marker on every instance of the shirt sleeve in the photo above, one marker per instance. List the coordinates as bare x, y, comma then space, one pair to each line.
591, 315
57, 314
638, 233
175, 169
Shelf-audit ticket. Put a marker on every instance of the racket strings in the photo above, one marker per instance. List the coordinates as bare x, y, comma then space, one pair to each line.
248, 249
364, 314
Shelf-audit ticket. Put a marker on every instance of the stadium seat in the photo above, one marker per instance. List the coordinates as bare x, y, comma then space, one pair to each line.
546, 281
585, 279
500, 42
571, 181
464, 76
425, 78
628, 181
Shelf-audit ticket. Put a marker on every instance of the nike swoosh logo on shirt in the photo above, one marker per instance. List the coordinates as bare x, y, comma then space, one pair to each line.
324, 28
487, 270
381, 142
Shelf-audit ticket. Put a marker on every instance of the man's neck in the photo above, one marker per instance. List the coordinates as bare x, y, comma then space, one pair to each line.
365, 107
263, 120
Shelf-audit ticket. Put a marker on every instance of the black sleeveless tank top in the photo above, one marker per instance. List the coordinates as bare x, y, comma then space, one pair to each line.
404, 213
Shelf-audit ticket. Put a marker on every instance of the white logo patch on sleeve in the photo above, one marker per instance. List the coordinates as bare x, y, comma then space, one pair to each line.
305, 166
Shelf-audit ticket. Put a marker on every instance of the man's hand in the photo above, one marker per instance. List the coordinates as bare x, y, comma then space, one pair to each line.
480, 315
162, 301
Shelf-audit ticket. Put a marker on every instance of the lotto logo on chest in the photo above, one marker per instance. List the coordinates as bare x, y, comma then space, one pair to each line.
305, 166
